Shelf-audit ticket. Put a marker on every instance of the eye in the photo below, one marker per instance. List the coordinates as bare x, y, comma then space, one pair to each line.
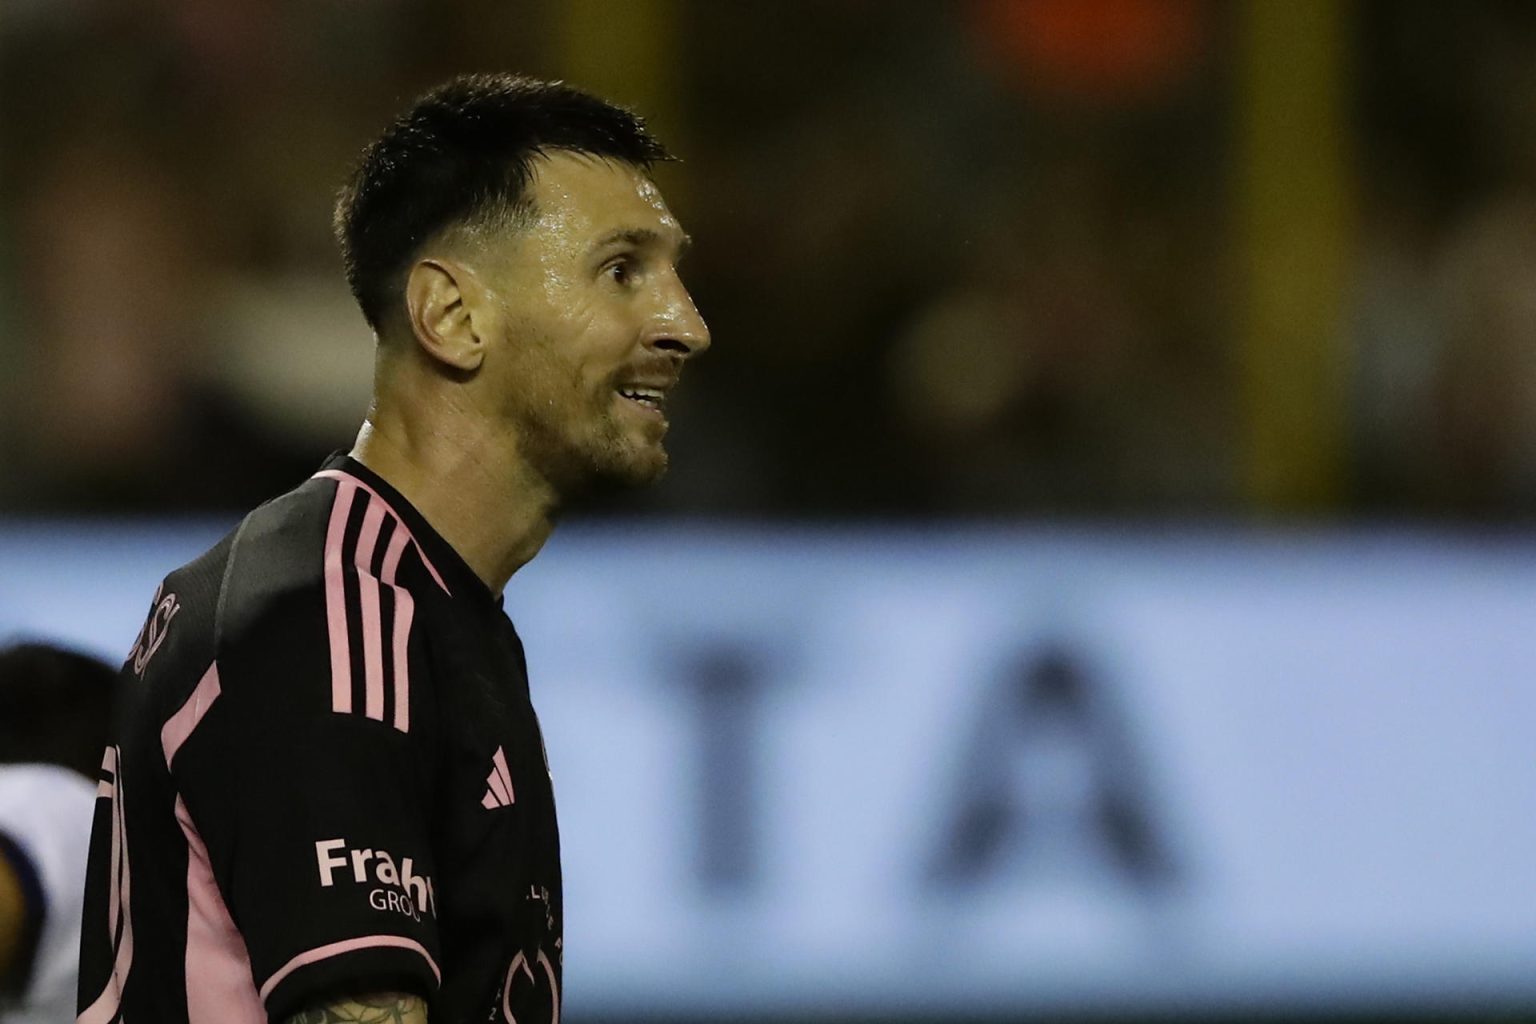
621, 270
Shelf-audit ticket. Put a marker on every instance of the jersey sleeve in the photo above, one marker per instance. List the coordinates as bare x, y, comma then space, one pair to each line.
303, 763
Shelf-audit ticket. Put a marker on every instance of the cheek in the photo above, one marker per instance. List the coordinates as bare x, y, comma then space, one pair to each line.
597, 354
565, 380
566, 355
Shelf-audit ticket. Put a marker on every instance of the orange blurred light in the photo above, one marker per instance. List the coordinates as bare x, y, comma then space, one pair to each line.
1109, 52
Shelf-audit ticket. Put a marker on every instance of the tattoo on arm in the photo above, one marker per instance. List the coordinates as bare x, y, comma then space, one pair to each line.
385, 1008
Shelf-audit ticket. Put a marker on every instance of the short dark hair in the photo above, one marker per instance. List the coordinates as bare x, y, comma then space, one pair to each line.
55, 707
461, 155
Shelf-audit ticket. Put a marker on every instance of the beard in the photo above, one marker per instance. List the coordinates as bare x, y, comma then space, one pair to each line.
596, 458
616, 460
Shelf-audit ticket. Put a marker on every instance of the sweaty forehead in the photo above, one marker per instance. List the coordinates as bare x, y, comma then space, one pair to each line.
581, 199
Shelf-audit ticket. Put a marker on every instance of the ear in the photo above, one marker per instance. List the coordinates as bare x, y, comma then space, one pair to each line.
438, 300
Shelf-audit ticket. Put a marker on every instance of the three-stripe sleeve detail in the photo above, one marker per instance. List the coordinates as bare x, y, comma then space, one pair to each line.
368, 613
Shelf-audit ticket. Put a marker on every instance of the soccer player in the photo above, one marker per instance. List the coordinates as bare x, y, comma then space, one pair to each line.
327, 799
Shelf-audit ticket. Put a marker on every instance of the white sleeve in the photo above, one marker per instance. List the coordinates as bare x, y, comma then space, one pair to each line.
46, 812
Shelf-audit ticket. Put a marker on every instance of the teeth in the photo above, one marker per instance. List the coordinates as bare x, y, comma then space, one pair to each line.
647, 395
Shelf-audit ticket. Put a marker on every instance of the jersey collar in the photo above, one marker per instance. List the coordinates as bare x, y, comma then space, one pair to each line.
461, 579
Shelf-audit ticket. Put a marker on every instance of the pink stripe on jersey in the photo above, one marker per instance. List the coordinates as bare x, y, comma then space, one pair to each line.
499, 759
348, 478
336, 601
108, 767
373, 648
405, 607
218, 968
180, 725
368, 539
371, 611
368, 593
105, 1007
115, 869
397, 542
348, 946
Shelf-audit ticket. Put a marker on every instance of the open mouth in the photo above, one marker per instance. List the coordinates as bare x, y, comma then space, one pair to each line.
651, 399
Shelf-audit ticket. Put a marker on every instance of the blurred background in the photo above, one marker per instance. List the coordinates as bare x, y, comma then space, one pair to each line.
1122, 415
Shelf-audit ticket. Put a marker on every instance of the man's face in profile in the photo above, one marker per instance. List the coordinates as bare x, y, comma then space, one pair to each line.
597, 323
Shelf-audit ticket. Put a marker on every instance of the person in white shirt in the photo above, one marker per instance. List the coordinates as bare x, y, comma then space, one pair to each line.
54, 713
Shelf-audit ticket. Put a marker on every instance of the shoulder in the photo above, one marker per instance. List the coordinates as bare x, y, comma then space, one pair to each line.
329, 544
277, 556
269, 564
319, 603
272, 556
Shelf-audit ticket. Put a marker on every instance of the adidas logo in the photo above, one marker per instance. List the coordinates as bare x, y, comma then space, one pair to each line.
498, 792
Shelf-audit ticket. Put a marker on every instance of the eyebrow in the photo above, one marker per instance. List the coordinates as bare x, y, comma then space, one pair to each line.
641, 237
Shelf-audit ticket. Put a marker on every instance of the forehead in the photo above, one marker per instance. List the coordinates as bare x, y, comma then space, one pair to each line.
579, 199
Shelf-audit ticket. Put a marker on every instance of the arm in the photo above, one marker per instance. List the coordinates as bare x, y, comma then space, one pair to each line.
385, 1008
271, 726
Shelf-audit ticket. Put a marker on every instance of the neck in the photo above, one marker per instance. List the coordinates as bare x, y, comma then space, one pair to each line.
473, 488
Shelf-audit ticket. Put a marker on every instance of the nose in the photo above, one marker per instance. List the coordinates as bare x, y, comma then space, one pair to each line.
679, 329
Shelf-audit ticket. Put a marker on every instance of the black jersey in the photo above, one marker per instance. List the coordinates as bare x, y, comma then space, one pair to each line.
326, 779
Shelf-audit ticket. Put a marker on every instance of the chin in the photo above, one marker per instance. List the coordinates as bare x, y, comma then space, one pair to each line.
642, 468
621, 470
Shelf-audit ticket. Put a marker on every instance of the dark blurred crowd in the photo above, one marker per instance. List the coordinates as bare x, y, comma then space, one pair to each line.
973, 257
